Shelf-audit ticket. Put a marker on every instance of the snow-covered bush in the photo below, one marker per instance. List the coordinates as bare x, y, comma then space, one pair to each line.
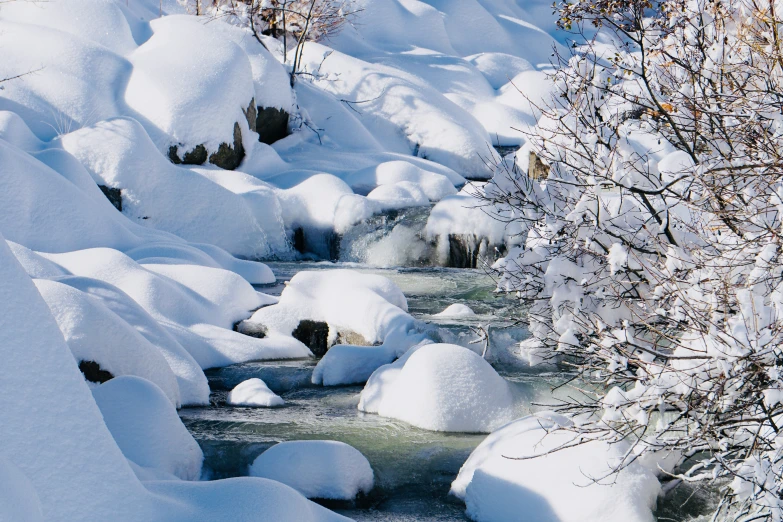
651, 189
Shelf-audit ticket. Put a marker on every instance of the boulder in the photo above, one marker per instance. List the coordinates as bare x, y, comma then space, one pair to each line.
271, 124
94, 373
314, 335
227, 156
114, 195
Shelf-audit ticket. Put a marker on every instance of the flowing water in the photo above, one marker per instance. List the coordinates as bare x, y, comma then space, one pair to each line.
413, 468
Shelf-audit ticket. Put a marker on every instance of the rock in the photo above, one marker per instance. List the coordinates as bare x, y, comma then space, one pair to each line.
537, 169
93, 372
251, 114
114, 195
313, 334
197, 156
352, 338
228, 157
322, 243
471, 251
271, 124
256, 330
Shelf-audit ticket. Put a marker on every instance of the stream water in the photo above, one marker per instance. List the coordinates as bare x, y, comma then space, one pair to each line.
413, 468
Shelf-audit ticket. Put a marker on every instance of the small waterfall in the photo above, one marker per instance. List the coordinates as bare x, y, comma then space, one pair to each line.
393, 238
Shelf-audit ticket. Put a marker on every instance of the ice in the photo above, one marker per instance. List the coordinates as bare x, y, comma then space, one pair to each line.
441, 387
317, 469
558, 486
254, 393
146, 427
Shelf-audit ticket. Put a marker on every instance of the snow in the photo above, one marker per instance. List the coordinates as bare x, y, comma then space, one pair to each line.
146, 427
558, 486
456, 310
347, 301
18, 500
440, 387
180, 104
95, 333
253, 393
316, 468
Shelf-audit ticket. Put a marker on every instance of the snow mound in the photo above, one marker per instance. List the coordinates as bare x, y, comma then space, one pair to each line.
456, 310
254, 392
147, 428
556, 487
441, 387
95, 333
435, 186
191, 85
18, 500
316, 468
118, 153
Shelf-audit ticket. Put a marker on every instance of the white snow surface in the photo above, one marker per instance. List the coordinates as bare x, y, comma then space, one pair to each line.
316, 468
554, 487
55, 435
147, 428
254, 393
456, 310
440, 387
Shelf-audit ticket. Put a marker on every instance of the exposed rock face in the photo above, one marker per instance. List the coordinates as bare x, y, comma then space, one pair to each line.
322, 243
93, 372
537, 169
256, 330
229, 157
313, 334
251, 114
197, 156
471, 251
114, 195
349, 337
271, 124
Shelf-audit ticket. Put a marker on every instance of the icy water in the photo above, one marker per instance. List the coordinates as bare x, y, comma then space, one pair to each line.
413, 468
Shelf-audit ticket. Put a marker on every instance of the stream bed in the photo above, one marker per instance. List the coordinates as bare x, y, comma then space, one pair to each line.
413, 468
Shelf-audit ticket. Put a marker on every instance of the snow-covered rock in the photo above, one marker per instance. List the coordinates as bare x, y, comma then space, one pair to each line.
253, 393
440, 387
456, 310
558, 486
192, 86
18, 500
95, 333
147, 428
316, 468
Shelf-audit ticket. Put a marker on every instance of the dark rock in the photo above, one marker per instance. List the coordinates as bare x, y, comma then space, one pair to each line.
470, 251
256, 330
271, 124
321, 243
197, 156
114, 195
92, 372
251, 114
313, 334
229, 157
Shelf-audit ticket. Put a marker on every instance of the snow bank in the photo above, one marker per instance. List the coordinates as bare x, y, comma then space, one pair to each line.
253, 392
95, 333
440, 387
119, 154
18, 500
316, 468
147, 428
554, 487
435, 186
